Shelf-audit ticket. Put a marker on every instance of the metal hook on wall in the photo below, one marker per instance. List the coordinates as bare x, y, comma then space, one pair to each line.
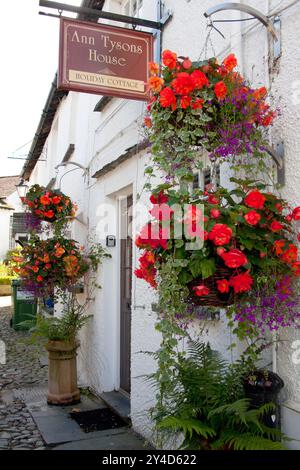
245, 9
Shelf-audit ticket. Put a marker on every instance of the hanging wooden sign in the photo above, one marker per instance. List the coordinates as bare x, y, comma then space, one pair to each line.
104, 60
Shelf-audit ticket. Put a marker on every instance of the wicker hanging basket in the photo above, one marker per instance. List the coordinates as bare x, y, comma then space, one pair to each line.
215, 298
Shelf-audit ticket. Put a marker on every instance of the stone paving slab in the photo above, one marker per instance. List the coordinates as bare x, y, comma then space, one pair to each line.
55, 424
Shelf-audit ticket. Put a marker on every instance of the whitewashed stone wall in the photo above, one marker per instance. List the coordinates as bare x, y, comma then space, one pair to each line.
99, 138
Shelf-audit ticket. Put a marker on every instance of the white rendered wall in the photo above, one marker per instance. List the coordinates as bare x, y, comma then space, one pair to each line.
100, 138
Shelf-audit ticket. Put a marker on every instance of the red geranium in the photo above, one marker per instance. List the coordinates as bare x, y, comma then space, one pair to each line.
167, 98
185, 102
213, 199
159, 198
220, 90
234, 258
169, 59
252, 217
276, 226
183, 83
197, 104
49, 214
199, 79
220, 234
215, 213
241, 282
255, 199
56, 199
201, 290
223, 285
296, 213
290, 255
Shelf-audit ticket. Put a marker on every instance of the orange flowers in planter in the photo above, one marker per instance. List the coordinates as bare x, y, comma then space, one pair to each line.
49, 205
50, 263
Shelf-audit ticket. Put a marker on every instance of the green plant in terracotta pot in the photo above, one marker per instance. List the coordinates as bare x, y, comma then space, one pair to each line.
60, 333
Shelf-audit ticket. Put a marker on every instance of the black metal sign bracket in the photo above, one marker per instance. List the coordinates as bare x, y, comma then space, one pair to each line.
61, 7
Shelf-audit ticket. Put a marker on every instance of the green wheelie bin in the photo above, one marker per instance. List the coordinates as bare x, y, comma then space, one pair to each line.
24, 306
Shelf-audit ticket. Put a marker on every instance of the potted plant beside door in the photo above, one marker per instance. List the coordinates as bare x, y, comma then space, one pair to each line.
57, 265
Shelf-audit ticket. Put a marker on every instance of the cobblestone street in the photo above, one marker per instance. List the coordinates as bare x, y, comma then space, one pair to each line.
22, 369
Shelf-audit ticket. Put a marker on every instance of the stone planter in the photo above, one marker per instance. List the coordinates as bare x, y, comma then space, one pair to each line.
5, 289
62, 376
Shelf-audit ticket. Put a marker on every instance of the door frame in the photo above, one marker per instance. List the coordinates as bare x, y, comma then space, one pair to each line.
119, 195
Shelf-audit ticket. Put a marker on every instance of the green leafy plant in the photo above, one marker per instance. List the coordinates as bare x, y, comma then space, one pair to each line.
207, 405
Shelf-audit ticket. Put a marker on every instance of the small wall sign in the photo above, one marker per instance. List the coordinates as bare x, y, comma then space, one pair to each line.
105, 60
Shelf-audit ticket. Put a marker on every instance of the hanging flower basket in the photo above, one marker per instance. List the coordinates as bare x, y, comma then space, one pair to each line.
224, 243
213, 298
203, 104
49, 205
51, 263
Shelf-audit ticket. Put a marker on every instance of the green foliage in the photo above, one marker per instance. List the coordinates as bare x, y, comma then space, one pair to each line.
6, 280
62, 328
206, 404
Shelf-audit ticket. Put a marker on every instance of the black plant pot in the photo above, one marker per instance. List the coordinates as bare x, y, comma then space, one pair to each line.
263, 387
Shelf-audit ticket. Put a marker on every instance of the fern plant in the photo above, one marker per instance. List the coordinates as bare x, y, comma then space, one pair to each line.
208, 406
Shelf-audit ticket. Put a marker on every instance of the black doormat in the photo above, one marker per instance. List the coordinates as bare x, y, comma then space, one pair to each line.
97, 420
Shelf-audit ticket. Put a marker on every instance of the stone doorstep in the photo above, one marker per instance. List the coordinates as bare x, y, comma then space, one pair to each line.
118, 402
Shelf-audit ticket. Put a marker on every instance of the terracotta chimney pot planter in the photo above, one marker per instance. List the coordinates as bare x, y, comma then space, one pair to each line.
62, 381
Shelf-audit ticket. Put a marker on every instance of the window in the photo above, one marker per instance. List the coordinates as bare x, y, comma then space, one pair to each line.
204, 177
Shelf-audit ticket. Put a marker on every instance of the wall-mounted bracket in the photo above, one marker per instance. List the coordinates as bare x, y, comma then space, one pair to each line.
93, 13
245, 9
277, 41
278, 157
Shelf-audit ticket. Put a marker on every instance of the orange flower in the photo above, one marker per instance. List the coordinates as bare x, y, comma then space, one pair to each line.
45, 200
260, 93
59, 208
59, 252
147, 122
230, 62
155, 84
71, 265
45, 258
153, 68
35, 269
169, 59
